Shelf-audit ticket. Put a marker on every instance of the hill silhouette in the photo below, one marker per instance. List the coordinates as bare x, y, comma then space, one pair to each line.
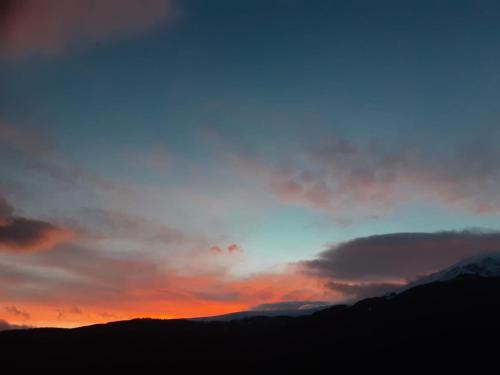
445, 321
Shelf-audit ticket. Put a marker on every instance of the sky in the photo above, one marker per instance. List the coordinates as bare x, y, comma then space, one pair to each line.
183, 158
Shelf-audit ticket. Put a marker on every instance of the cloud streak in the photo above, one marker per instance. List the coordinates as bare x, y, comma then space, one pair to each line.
14, 311
30, 27
112, 224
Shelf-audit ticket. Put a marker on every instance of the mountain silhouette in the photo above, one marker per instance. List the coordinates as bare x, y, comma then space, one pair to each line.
453, 321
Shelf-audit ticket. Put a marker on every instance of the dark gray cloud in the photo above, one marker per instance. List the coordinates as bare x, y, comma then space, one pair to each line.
399, 256
21, 234
5, 326
18, 234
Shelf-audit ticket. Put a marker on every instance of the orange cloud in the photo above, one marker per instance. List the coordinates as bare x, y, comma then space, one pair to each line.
187, 296
49, 26
13, 310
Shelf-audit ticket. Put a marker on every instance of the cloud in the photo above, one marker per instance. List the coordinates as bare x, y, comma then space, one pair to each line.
232, 248
5, 326
365, 178
217, 296
289, 305
13, 310
135, 285
215, 249
113, 224
19, 234
396, 257
75, 310
31, 141
370, 178
30, 27
29, 151
6, 209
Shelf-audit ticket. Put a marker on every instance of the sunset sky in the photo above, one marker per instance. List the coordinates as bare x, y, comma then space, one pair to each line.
182, 158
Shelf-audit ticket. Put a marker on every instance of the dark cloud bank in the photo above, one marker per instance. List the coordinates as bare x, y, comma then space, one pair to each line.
376, 264
20, 234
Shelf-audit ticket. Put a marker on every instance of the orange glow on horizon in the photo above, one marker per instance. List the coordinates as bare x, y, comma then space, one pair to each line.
233, 296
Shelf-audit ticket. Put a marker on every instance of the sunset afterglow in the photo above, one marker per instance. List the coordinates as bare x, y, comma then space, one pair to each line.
190, 158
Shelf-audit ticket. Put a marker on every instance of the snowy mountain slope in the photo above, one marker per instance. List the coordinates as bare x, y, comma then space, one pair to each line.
253, 314
485, 265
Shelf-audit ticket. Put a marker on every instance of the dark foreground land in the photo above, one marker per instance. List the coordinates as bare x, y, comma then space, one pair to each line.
454, 323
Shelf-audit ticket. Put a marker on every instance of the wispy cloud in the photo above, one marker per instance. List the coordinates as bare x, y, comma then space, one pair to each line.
17, 313
356, 179
135, 285
30, 27
111, 224
28, 140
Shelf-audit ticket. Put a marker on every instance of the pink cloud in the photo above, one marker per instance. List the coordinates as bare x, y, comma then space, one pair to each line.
371, 178
49, 26
343, 177
216, 249
232, 248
